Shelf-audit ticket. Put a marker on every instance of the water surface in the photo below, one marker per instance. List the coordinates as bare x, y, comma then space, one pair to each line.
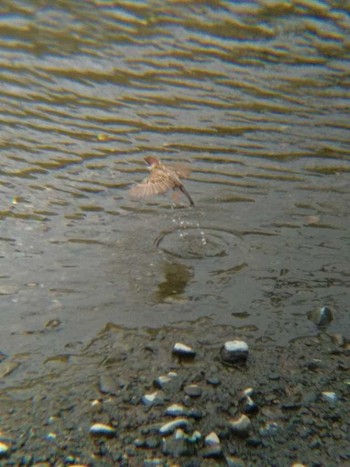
253, 95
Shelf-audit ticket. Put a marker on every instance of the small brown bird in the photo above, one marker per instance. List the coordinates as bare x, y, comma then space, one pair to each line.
161, 179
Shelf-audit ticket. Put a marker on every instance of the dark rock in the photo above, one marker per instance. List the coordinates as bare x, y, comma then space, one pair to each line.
321, 317
234, 352
248, 405
290, 405
254, 442
197, 414
183, 350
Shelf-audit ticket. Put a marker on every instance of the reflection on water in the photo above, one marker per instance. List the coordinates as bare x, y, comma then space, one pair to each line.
254, 95
176, 278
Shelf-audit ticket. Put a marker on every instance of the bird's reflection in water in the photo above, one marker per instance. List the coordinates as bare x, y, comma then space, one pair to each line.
177, 276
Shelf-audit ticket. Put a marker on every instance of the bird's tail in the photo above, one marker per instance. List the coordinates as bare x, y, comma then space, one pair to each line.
185, 192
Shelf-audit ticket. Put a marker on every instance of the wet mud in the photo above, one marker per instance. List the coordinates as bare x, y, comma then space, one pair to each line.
111, 403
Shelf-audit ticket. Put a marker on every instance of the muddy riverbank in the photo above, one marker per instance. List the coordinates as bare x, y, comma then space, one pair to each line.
112, 402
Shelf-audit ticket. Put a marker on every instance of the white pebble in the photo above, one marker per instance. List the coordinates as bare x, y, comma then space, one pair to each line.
3, 449
171, 426
236, 346
329, 396
175, 410
183, 349
149, 398
212, 439
102, 429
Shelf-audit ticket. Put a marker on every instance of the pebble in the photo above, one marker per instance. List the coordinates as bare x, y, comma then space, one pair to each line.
329, 396
164, 380
154, 398
7, 368
269, 429
241, 426
213, 380
196, 436
315, 364
3, 449
183, 350
213, 451
151, 442
107, 385
247, 392
249, 406
234, 352
338, 339
211, 439
195, 413
170, 427
153, 462
179, 434
233, 461
321, 317
175, 410
100, 429
8, 289
178, 445
193, 390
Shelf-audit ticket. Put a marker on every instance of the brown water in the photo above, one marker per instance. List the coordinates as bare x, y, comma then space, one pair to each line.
254, 95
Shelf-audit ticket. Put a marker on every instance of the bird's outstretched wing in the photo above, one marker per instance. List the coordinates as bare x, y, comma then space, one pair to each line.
182, 170
152, 185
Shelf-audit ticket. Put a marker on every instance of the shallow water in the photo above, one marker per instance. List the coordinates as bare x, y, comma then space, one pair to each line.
253, 95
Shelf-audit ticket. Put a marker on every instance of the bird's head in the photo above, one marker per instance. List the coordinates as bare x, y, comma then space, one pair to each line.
151, 161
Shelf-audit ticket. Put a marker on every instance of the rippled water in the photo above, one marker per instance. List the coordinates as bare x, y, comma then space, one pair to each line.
253, 95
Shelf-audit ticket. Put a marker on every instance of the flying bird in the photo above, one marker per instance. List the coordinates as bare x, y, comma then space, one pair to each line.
161, 179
